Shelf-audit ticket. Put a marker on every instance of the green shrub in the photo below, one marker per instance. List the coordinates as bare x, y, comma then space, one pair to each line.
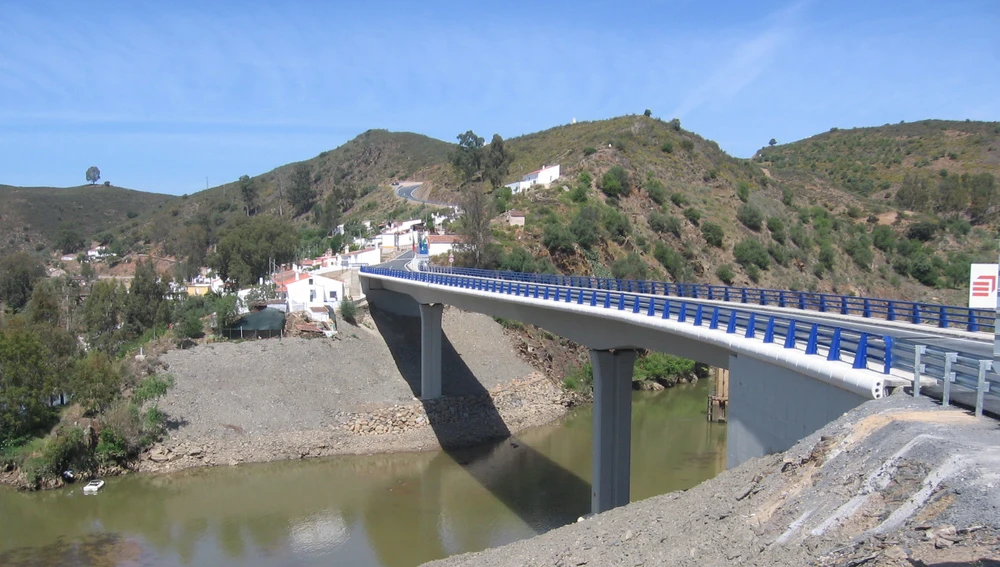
923, 231
860, 250
750, 216
787, 196
713, 234
726, 274
924, 271
616, 182
672, 260
800, 238
617, 225
777, 229
693, 215
518, 260
191, 327
349, 311
779, 253
667, 147
662, 223
631, 267
854, 212
589, 151
687, 145
750, 252
580, 378
657, 192
884, 238
753, 272
584, 227
743, 191
662, 367
827, 256
557, 238
678, 199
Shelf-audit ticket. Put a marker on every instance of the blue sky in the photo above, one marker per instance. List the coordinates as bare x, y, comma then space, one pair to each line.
162, 95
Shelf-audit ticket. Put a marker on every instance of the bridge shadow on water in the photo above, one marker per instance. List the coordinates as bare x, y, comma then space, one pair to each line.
470, 429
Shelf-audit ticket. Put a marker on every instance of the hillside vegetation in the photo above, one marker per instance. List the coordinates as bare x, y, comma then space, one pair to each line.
32, 217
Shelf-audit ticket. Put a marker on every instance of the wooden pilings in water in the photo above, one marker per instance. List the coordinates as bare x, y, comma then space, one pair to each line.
718, 400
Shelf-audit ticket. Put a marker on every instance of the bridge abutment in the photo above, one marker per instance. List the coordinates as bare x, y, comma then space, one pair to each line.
430, 350
772, 407
612, 452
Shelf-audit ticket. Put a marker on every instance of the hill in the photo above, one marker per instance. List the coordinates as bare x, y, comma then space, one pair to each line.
31, 217
874, 161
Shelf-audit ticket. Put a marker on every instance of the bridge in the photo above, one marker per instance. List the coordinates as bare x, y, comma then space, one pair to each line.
797, 360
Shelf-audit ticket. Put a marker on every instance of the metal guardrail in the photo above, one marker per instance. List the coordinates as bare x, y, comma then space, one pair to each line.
880, 353
942, 316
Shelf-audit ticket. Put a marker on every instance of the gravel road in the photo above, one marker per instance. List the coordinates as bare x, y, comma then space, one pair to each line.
896, 482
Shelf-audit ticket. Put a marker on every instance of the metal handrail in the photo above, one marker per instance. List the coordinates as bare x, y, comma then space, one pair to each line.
942, 316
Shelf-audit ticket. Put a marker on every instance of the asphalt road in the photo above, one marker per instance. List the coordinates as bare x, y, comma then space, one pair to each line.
406, 191
400, 262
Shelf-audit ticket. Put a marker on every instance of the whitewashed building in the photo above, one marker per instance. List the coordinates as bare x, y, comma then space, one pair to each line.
544, 176
307, 290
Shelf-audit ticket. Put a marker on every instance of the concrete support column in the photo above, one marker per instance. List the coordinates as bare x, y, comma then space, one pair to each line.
612, 428
430, 350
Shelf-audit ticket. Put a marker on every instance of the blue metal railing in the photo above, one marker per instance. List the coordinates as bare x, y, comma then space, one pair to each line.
942, 316
881, 353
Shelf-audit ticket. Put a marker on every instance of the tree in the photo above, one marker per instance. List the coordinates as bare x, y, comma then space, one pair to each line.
245, 250
100, 315
93, 174
18, 275
68, 240
648, 113
584, 226
498, 161
248, 189
24, 370
144, 305
772, 142
631, 267
96, 382
301, 195
468, 157
475, 226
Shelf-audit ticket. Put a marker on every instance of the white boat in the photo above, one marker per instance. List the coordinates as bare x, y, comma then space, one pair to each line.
93, 486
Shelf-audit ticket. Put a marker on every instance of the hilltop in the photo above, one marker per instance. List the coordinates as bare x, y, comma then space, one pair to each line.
31, 217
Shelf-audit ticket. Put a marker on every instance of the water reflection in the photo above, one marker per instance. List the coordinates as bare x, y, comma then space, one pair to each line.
390, 510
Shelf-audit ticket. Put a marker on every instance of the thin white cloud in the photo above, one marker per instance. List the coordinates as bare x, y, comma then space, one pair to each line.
747, 62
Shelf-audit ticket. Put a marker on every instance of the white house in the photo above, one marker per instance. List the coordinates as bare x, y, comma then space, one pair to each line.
366, 257
547, 174
441, 243
311, 290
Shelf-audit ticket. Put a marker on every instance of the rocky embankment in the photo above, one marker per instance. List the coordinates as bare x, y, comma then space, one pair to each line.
896, 482
295, 398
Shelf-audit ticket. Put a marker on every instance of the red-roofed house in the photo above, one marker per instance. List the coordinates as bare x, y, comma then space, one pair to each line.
441, 243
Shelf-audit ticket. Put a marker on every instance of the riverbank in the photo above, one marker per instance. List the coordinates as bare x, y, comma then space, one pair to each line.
895, 482
257, 401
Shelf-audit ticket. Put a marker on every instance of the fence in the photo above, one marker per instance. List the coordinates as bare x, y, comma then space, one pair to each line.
943, 316
881, 353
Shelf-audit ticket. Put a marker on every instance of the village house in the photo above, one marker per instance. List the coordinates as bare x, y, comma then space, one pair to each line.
544, 176
305, 290
515, 218
441, 243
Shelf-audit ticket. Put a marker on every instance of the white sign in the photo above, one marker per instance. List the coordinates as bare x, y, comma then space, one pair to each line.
983, 286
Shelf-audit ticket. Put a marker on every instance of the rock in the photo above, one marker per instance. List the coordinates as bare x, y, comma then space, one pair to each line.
159, 455
194, 452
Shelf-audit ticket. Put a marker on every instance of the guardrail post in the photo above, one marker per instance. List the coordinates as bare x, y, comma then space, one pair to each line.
698, 315
813, 339
714, 324
711, 292
802, 301
579, 297
763, 297
781, 298
635, 304
973, 321
569, 295
666, 308
822, 303
621, 301
694, 291
834, 353
769, 331
949, 376
731, 327
943, 318
861, 355
751, 325
982, 387
743, 299
918, 351
546, 294
725, 293
867, 313
593, 298
790, 335
887, 342
890, 310
682, 314
607, 299
843, 305
916, 314
652, 307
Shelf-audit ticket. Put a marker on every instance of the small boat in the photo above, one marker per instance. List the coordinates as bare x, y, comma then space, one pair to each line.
93, 486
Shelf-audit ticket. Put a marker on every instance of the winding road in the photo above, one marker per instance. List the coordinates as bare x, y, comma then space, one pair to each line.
406, 190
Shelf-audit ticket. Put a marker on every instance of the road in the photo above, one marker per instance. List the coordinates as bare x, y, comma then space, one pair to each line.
400, 262
406, 190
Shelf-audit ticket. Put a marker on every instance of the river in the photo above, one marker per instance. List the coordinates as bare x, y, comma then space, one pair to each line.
386, 510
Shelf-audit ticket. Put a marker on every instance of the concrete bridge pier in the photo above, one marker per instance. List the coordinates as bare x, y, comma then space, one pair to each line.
430, 350
612, 428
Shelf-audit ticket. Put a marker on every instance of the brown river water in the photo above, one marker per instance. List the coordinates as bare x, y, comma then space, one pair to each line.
386, 510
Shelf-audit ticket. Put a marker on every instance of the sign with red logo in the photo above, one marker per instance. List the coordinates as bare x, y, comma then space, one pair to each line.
983, 286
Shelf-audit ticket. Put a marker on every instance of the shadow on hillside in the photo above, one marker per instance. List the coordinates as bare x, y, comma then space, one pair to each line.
469, 427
